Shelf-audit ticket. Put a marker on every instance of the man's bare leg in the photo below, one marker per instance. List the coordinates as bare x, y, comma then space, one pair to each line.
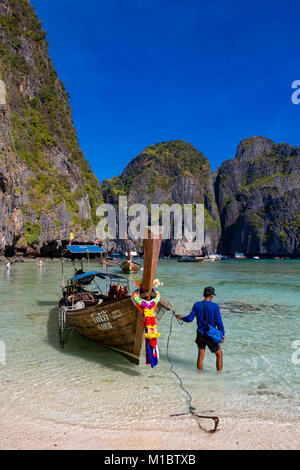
219, 361
201, 354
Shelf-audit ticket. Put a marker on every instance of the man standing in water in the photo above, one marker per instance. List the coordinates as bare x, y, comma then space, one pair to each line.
213, 316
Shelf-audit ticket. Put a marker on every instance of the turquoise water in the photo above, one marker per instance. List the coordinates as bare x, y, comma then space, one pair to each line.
91, 385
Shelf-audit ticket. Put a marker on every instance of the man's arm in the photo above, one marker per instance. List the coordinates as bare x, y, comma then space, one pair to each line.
190, 317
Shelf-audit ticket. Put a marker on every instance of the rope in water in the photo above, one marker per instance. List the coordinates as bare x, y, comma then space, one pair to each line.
172, 365
189, 396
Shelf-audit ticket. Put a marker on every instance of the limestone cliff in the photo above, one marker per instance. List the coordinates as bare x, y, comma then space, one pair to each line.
258, 196
172, 172
47, 188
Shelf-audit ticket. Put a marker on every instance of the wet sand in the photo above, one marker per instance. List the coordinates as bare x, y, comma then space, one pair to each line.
232, 434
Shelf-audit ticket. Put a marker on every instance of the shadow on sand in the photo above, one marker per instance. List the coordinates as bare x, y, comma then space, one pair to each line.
86, 349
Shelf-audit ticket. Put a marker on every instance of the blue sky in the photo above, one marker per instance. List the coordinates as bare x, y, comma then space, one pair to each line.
145, 71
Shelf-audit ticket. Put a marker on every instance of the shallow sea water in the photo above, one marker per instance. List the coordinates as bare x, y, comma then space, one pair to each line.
88, 385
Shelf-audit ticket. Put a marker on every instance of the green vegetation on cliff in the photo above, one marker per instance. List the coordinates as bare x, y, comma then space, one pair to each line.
32, 233
42, 126
172, 172
160, 165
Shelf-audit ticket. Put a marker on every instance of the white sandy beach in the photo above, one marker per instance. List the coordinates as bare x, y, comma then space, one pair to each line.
181, 433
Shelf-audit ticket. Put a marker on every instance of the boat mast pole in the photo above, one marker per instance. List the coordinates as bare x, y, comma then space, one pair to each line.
152, 244
62, 272
106, 287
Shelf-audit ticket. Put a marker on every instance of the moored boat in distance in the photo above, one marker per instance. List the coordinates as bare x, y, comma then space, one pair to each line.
213, 258
130, 266
104, 312
239, 256
190, 259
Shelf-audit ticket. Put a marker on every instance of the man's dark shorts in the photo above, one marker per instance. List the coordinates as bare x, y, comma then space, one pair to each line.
203, 341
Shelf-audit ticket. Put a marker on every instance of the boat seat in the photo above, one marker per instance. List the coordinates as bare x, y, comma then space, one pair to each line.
82, 296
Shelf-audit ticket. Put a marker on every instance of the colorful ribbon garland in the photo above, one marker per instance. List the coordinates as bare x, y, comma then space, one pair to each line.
147, 308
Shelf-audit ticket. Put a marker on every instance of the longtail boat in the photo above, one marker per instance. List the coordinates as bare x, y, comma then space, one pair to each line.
106, 314
130, 266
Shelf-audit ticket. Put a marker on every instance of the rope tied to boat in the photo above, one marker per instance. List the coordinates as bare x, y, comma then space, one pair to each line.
192, 410
62, 320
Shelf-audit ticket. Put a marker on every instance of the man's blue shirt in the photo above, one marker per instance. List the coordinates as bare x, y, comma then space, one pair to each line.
213, 316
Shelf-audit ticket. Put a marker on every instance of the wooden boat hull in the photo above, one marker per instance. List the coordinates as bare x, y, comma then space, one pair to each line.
191, 260
116, 325
132, 267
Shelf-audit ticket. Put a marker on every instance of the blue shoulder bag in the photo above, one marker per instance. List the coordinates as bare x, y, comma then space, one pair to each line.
212, 332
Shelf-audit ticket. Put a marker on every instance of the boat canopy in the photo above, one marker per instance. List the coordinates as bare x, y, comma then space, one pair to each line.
86, 278
85, 249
